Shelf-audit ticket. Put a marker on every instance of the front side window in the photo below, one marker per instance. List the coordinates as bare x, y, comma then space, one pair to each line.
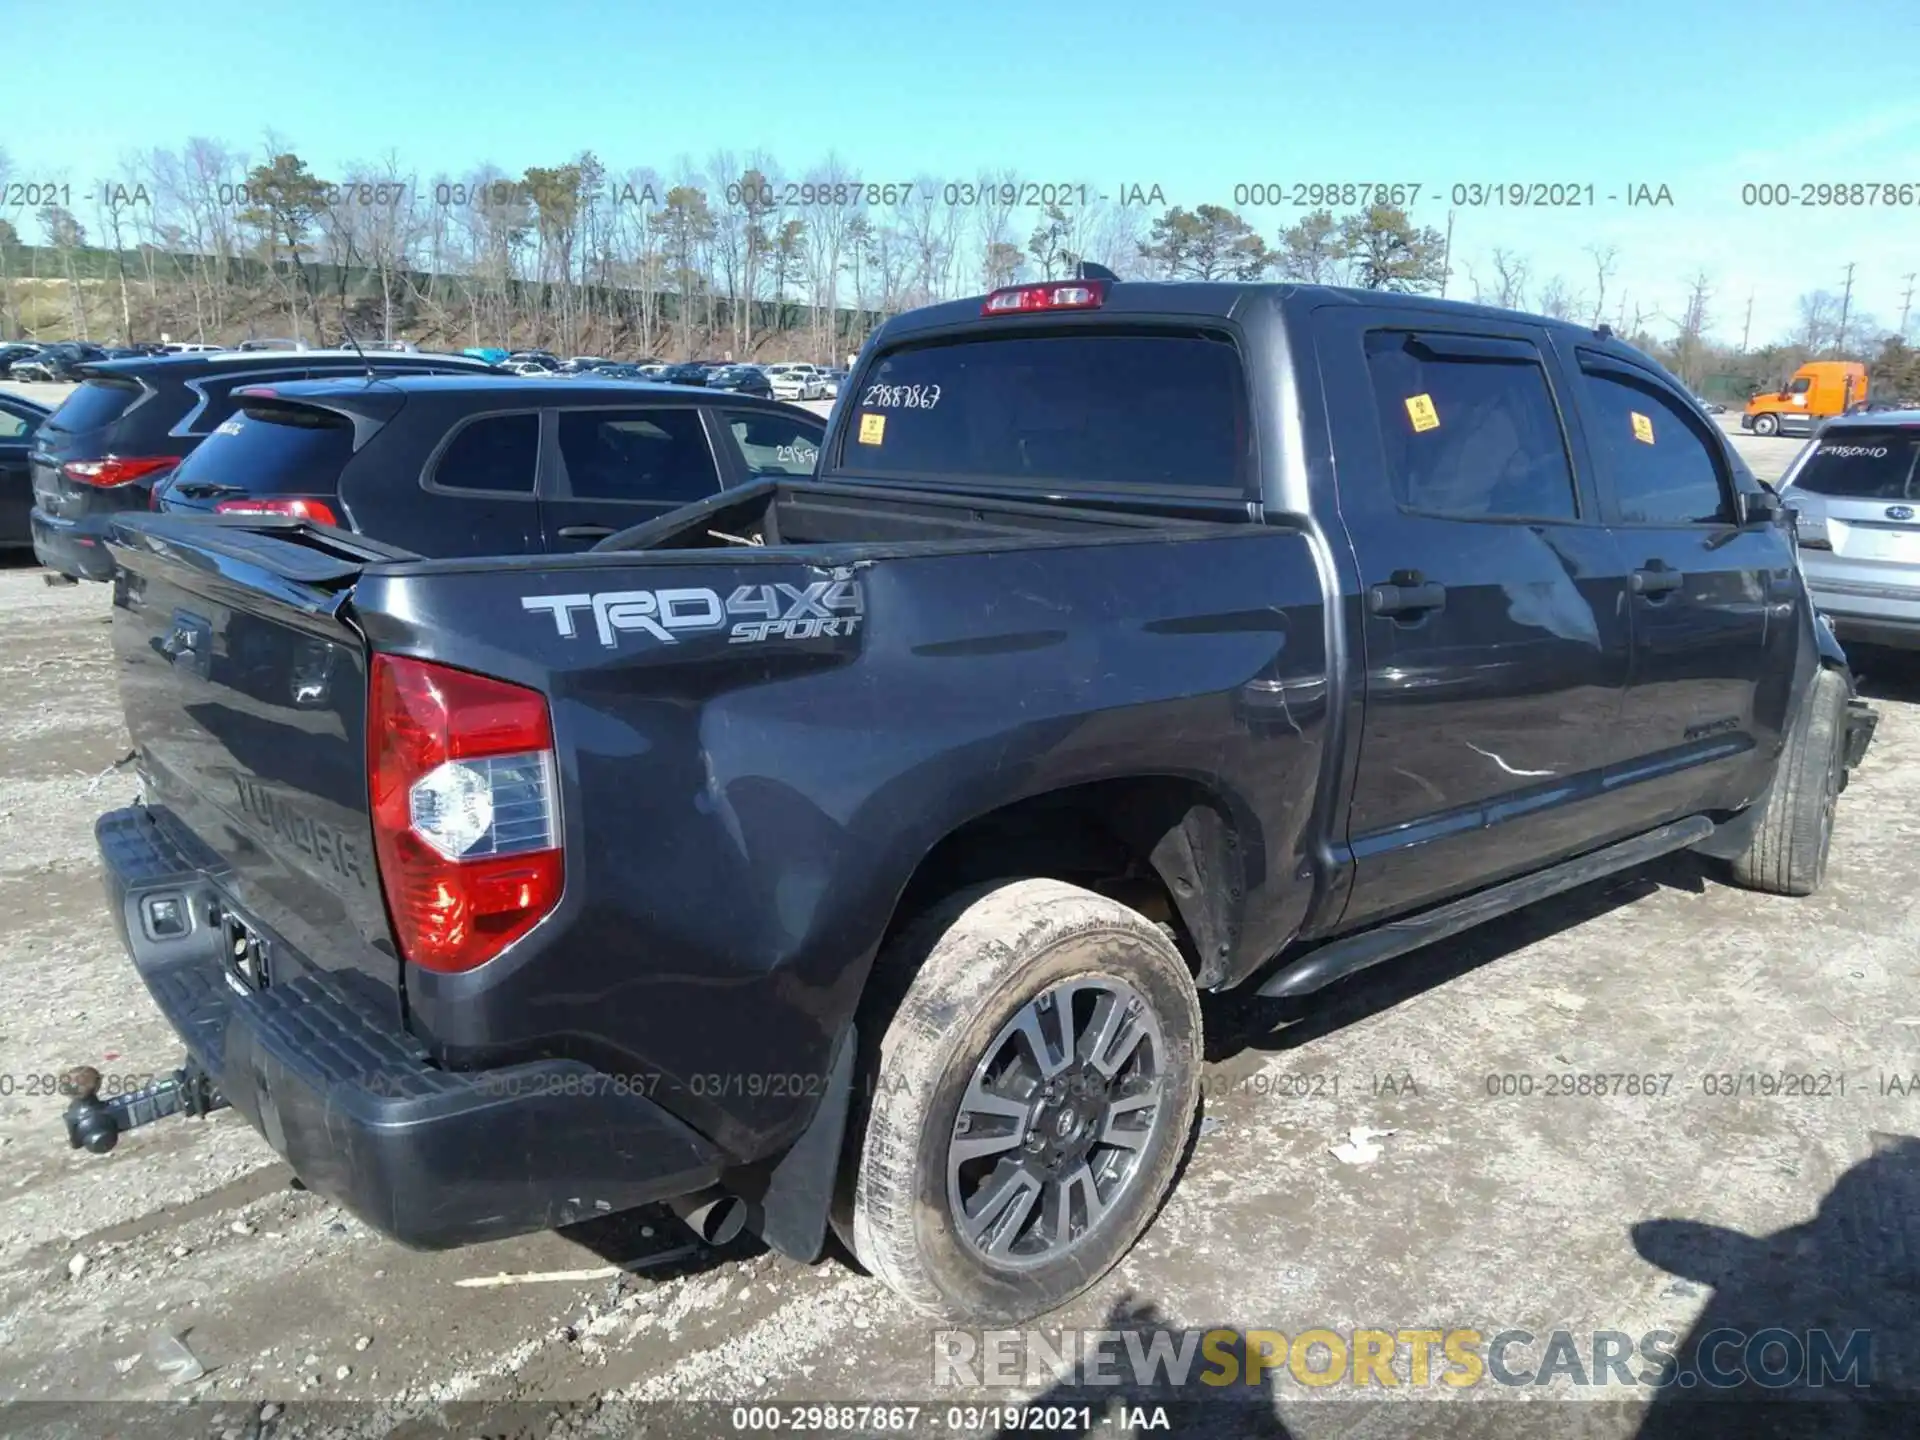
653, 454
1472, 437
1662, 468
775, 444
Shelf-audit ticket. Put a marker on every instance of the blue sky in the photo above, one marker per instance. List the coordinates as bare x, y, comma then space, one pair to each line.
1192, 96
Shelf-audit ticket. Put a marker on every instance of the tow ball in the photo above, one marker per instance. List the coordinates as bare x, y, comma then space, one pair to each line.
95, 1124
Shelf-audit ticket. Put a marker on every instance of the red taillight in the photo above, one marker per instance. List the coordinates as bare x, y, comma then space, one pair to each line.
111, 470
1055, 295
466, 818
317, 511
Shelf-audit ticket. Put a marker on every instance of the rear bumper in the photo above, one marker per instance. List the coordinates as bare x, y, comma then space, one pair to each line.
434, 1158
73, 547
1866, 611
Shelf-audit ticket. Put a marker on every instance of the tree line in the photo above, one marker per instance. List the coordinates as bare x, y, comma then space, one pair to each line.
735, 256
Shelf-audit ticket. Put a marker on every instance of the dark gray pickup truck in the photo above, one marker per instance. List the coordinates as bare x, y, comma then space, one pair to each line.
849, 853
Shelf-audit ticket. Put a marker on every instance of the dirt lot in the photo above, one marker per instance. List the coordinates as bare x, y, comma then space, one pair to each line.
1492, 1213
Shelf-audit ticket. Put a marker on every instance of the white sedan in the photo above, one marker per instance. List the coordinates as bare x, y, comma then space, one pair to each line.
796, 380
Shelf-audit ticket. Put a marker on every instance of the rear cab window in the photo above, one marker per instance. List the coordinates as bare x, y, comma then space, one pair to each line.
268, 449
1141, 409
1862, 464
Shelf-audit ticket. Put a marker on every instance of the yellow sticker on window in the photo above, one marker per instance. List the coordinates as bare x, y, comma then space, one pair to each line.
1420, 410
873, 429
1642, 427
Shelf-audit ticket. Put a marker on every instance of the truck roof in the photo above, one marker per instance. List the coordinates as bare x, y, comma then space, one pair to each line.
1217, 299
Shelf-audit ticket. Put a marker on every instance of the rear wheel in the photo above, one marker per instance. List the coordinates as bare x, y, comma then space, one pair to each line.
1766, 425
1029, 1101
1788, 855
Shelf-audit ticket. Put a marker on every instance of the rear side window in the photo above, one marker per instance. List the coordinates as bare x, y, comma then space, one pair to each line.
1663, 469
496, 452
1863, 465
775, 444
272, 450
1471, 437
1165, 411
95, 405
655, 454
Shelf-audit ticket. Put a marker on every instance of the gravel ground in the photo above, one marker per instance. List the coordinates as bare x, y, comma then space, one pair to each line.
1475, 1211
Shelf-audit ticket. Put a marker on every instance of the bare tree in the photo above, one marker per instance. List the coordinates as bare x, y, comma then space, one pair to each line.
1510, 274
1605, 261
1558, 301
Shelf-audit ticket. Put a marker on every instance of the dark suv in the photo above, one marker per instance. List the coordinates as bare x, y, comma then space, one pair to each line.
447, 466
132, 421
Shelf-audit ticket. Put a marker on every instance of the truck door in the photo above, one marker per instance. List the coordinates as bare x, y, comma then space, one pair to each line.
1715, 604
1495, 626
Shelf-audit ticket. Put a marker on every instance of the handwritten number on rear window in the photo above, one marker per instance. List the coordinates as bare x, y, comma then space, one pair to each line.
900, 397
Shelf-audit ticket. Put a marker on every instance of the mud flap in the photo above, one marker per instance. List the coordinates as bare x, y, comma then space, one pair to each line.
792, 1200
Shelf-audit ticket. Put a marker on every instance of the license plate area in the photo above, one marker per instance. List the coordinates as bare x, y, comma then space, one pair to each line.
1858, 540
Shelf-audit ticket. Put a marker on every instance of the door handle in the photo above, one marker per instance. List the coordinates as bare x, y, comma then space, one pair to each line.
1406, 594
584, 532
1656, 579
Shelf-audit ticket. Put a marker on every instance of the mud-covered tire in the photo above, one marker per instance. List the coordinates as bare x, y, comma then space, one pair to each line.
989, 959
1788, 853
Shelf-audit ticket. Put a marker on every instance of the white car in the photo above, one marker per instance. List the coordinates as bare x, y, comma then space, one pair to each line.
191, 347
796, 380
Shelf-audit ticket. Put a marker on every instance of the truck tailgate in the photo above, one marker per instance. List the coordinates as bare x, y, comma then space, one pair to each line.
245, 697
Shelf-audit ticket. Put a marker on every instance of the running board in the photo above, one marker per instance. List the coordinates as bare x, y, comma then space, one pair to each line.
1340, 958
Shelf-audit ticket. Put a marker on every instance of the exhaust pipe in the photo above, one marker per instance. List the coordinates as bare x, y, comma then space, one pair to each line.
717, 1218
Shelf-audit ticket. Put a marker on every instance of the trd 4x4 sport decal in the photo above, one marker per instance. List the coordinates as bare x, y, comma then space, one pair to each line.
755, 612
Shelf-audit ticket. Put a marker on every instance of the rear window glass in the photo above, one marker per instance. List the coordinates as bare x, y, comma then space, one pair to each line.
1863, 465
268, 450
95, 405
1166, 411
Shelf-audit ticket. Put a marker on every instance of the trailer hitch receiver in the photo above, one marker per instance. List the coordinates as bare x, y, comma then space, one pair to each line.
95, 1124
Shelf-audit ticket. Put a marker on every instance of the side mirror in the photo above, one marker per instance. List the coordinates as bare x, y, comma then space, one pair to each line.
1759, 507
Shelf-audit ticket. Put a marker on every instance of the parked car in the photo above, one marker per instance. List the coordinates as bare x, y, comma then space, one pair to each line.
692, 372
525, 367
190, 347
617, 370
583, 364
56, 363
1712, 407
16, 351
741, 379
445, 465
20, 418
545, 359
794, 380
1855, 494
492, 354
1134, 641
131, 421
270, 342
830, 382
